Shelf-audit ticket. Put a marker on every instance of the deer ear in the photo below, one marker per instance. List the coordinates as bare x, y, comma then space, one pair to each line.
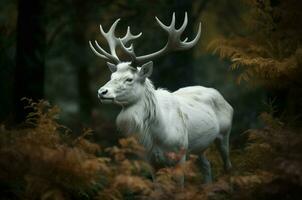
146, 70
112, 67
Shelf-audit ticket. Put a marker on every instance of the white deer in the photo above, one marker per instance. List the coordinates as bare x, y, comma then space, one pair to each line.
185, 121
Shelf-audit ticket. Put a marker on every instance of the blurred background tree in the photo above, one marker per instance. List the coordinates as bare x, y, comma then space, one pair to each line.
29, 72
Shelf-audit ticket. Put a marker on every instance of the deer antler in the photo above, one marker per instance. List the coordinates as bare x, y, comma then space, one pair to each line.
173, 44
113, 43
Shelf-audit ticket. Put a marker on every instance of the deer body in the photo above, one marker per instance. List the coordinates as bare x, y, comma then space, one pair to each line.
185, 121
190, 118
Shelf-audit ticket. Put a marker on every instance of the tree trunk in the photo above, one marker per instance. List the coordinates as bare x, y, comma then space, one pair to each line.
79, 59
29, 72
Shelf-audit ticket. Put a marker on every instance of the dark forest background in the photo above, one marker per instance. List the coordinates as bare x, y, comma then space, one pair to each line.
250, 50
45, 55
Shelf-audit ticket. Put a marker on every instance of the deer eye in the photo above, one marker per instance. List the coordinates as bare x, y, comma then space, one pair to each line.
129, 80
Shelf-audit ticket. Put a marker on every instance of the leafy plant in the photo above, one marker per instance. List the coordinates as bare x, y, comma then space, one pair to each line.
42, 160
269, 50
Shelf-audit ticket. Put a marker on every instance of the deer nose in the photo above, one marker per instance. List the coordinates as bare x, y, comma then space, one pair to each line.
102, 92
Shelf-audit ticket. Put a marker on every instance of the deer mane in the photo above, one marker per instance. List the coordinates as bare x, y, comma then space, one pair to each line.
138, 118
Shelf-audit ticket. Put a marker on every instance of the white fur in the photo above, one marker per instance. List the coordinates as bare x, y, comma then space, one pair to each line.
190, 118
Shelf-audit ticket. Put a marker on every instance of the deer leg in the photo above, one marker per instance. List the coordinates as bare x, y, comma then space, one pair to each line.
153, 170
181, 177
223, 147
205, 168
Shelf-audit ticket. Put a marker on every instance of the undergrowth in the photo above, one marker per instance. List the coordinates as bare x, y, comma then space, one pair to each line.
43, 161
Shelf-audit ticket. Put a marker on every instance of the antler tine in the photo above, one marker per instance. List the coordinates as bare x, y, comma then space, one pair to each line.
173, 20
184, 25
194, 41
130, 52
96, 52
111, 39
166, 28
129, 36
106, 54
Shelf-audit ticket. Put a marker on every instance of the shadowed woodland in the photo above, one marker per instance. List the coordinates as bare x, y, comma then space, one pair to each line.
57, 141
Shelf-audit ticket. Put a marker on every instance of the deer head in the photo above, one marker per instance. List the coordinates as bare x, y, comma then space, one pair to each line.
128, 77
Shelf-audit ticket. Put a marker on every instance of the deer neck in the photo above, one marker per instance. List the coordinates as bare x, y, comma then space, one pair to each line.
139, 118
